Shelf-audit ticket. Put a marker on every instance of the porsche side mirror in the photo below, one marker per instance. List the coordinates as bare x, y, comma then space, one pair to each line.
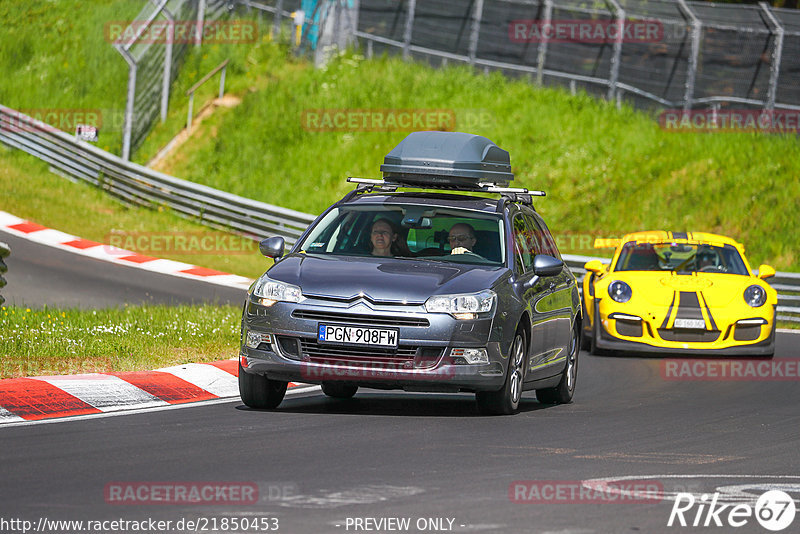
595, 266
765, 271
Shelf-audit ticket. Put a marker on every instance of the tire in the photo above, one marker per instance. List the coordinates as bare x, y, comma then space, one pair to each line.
594, 350
338, 391
258, 391
563, 392
506, 401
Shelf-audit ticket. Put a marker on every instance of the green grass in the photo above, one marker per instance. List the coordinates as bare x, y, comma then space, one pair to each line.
606, 171
54, 56
56, 341
30, 191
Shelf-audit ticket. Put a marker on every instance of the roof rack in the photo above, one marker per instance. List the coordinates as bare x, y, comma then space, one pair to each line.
372, 184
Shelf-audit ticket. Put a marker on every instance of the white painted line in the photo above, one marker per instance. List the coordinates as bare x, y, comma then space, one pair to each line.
207, 377
73, 418
48, 237
8, 417
6, 219
57, 239
788, 330
105, 392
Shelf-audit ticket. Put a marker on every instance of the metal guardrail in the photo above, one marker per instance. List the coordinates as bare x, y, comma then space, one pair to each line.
141, 186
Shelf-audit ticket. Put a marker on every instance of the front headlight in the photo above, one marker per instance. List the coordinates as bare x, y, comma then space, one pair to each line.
755, 296
270, 291
462, 306
619, 291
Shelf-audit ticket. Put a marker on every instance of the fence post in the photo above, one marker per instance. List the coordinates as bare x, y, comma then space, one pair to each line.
476, 29
201, 16
542, 52
276, 23
412, 6
691, 73
167, 63
127, 127
616, 58
777, 54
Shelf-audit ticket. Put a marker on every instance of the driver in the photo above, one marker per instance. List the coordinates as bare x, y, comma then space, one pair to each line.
461, 238
705, 259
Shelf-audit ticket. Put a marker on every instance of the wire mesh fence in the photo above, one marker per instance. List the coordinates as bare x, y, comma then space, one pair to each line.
154, 45
667, 53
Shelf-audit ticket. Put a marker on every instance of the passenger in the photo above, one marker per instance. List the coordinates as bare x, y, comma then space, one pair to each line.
461, 238
383, 238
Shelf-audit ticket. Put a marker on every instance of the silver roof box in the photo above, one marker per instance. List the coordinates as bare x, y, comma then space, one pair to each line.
447, 159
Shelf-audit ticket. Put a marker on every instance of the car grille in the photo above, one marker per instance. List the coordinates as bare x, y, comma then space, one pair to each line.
746, 332
689, 336
402, 358
353, 318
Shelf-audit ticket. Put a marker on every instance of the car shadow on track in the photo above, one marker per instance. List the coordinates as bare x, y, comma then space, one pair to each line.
394, 405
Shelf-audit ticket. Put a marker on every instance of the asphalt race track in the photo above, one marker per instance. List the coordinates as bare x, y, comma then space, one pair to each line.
41, 275
322, 465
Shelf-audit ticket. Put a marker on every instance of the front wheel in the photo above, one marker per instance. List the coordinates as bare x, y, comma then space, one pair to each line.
258, 391
563, 392
506, 401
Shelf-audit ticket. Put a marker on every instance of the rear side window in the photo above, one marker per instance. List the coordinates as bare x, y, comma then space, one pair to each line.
543, 241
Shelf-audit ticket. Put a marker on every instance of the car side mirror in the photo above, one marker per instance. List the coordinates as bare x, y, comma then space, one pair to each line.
544, 265
595, 266
765, 271
272, 247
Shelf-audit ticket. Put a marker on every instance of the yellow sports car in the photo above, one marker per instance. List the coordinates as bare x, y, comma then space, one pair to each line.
678, 291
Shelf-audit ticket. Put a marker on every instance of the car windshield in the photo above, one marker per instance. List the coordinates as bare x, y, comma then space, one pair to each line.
681, 258
409, 232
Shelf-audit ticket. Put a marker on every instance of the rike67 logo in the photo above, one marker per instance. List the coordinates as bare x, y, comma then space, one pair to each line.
774, 510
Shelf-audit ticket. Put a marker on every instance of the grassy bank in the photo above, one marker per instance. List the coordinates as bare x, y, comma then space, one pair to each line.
50, 341
606, 171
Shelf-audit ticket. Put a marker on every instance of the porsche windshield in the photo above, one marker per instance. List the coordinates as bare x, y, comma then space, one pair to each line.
681, 258
409, 231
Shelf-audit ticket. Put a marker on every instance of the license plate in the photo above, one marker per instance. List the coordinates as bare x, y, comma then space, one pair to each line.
696, 324
357, 335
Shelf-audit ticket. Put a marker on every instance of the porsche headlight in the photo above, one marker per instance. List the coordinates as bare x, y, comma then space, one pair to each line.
270, 291
619, 291
755, 296
462, 306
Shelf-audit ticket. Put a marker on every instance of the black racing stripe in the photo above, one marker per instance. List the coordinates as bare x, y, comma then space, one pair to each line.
689, 306
708, 311
679, 235
669, 311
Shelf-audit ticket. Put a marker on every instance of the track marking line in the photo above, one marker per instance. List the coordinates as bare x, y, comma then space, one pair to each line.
47, 236
306, 388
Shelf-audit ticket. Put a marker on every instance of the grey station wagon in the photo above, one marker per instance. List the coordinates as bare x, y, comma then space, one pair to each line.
455, 286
